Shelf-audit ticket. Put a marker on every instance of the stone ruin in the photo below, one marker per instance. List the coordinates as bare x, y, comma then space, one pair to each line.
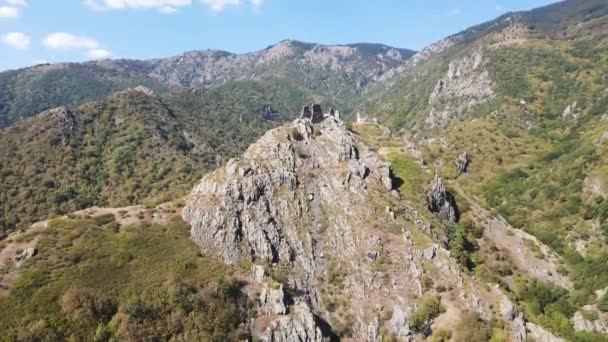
315, 113
366, 119
335, 113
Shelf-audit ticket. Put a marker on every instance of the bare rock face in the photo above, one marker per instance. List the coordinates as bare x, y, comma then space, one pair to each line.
249, 208
23, 256
462, 162
589, 318
145, 90
515, 318
299, 326
441, 202
466, 84
273, 301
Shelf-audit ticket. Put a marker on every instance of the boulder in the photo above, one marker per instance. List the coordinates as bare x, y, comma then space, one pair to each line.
511, 314
462, 163
25, 255
299, 326
441, 202
272, 301
597, 323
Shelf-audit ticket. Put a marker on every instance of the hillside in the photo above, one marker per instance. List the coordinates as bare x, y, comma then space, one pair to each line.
122, 150
548, 58
525, 97
334, 73
298, 261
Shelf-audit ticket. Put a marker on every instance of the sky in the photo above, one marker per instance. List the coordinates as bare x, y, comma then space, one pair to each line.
48, 31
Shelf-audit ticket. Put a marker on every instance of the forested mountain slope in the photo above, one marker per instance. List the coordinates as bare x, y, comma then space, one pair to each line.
334, 73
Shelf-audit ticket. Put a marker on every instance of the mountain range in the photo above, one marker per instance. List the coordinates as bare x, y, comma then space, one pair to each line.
459, 193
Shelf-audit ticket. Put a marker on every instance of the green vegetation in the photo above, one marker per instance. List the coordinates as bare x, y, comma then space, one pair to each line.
472, 328
463, 243
91, 282
26, 92
228, 118
411, 177
602, 305
126, 149
428, 309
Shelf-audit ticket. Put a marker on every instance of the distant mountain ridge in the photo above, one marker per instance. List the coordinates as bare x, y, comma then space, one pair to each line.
334, 72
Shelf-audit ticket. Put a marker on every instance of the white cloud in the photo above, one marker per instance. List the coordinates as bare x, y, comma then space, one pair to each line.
67, 41
17, 2
168, 10
9, 12
163, 6
219, 5
63, 40
17, 40
99, 54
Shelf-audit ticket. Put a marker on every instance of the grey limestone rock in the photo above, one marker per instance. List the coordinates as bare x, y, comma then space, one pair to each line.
441, 202
299, 326
462, 162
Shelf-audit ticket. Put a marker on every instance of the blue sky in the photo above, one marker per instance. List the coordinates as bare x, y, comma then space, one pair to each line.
33, 31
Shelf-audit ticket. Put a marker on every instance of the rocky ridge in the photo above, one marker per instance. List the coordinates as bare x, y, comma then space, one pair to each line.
367, 62
315, 207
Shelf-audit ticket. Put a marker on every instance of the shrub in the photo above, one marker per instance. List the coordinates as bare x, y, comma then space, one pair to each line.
138, 309
84, 303
472, 329
602, 305
429, 309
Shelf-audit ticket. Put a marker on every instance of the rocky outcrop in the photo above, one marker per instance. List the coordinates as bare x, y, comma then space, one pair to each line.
274, 323
24, 255
589, 318
249, 209
442, 202
67, 123
570, 110
309, 200
145, 90
466, 84
462, 162
272, 300
511, 314
299, 326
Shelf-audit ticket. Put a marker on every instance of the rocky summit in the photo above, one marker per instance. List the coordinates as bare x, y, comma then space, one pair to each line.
310, 205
